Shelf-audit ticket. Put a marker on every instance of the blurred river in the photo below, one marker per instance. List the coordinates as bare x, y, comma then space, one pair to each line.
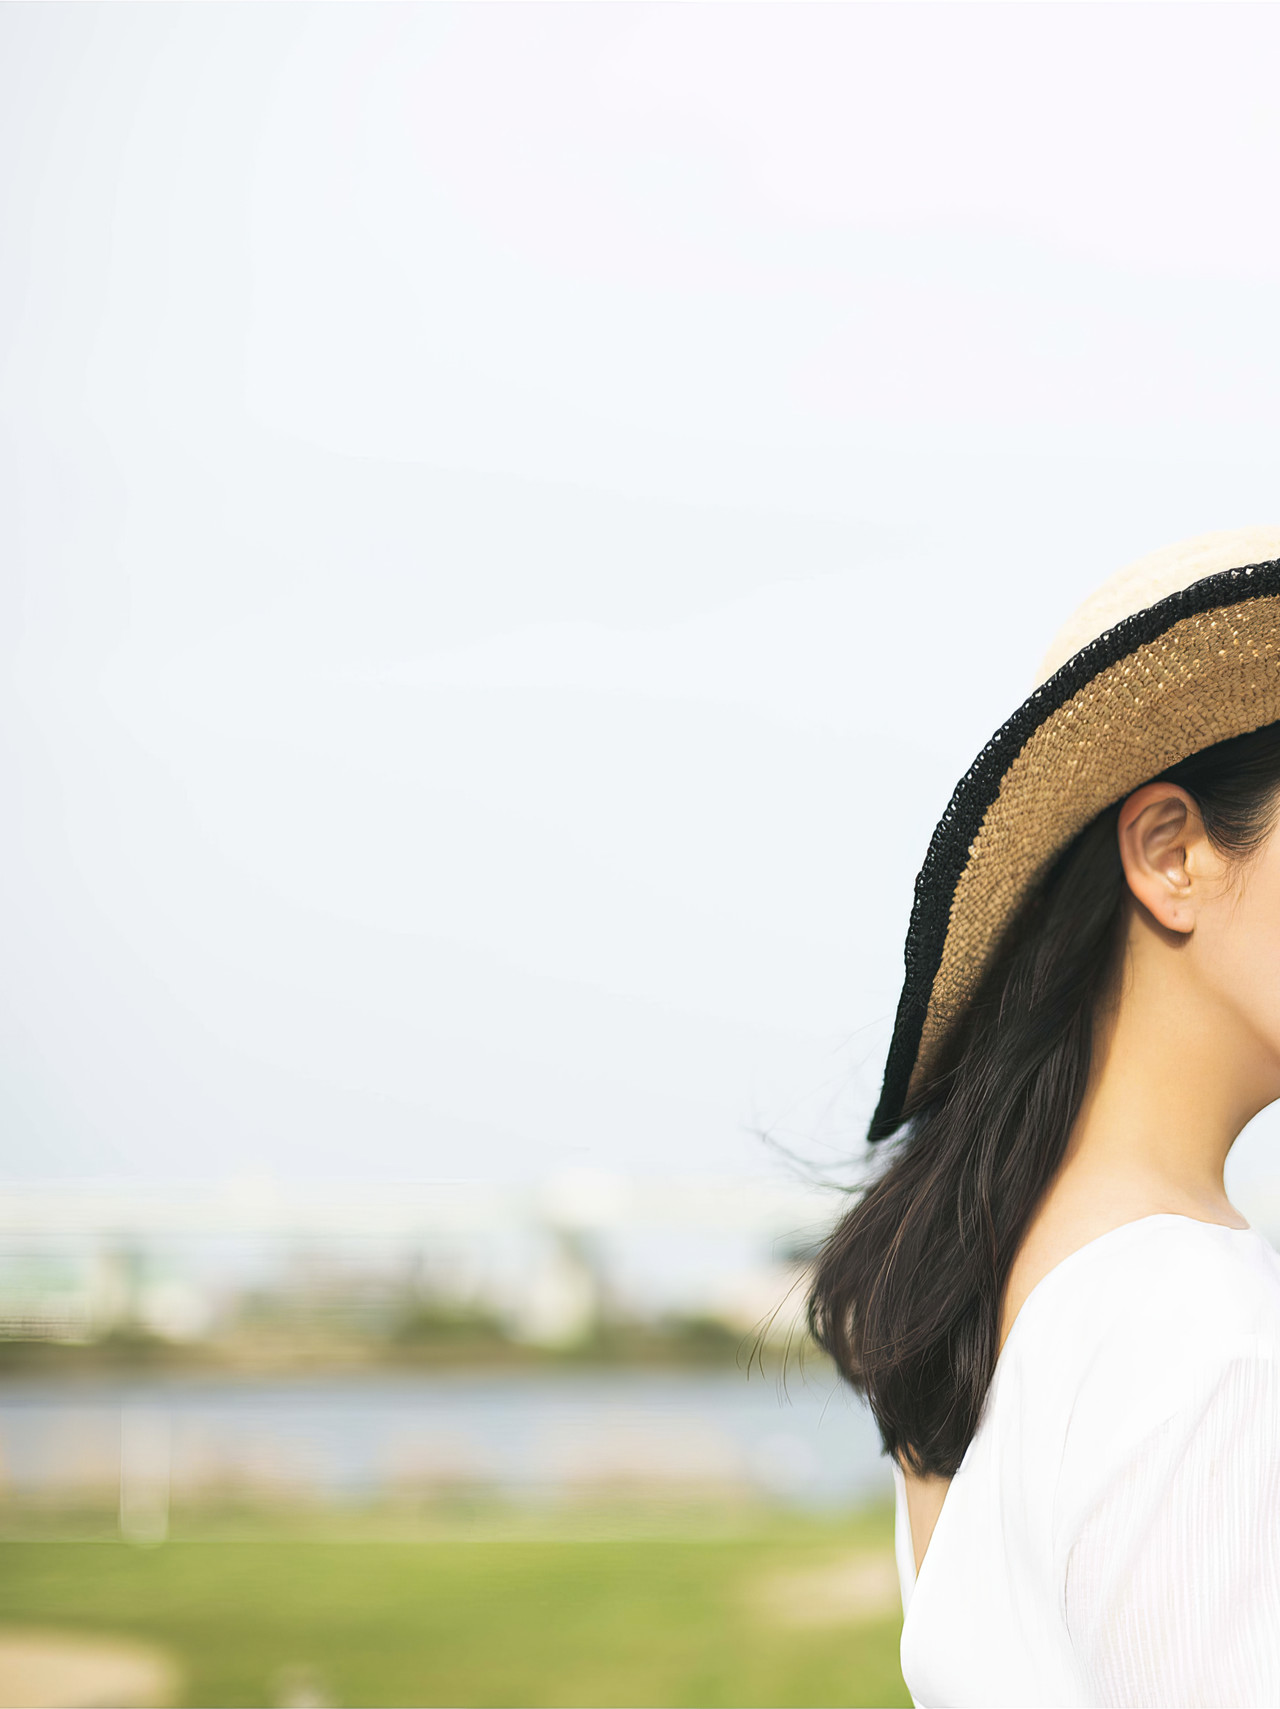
519, 1435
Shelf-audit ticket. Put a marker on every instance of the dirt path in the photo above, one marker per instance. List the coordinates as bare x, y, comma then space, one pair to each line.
65, 1670
861, 1586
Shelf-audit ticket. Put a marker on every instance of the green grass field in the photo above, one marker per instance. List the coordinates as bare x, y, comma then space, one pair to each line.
757, 1617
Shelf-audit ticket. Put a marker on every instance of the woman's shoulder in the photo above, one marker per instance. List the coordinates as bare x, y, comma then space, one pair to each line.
1139, 1327
1163, 1283
1132, 1342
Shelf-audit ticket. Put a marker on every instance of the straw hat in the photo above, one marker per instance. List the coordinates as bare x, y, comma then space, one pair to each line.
1175, 652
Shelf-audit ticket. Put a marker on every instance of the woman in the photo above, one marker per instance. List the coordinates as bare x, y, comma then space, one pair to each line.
1069, 1337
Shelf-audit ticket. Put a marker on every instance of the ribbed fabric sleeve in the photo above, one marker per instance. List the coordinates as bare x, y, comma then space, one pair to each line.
1112, 1535
1172, 1586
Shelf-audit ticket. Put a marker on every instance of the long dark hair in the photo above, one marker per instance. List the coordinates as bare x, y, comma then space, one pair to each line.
906, 1291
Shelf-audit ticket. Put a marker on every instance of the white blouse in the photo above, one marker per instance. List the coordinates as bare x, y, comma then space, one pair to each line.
1113, 1533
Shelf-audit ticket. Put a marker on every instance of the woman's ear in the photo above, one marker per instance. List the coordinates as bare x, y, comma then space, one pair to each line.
1166, 853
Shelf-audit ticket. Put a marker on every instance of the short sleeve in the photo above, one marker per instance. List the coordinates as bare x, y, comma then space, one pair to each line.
1172, 1586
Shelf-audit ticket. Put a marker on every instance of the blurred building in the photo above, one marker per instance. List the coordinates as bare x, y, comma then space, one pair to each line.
551, 1261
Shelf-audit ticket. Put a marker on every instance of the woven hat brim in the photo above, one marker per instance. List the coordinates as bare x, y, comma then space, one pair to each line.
1193, 669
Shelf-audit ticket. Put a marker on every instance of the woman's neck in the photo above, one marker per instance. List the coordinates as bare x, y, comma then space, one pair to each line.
1177, 1074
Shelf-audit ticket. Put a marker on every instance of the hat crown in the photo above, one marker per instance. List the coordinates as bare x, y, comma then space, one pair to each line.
1152, 578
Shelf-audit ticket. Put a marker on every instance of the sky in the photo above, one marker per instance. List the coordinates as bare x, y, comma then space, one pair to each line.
516, 517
